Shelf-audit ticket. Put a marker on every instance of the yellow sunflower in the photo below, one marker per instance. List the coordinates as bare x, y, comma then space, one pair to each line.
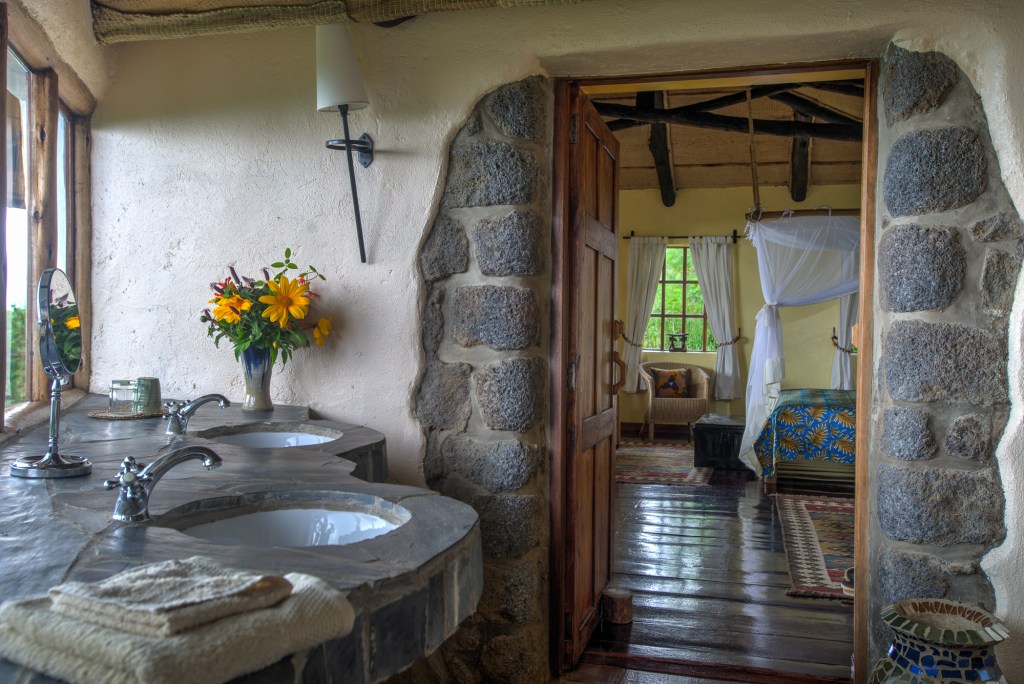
73, 322
286, 298
229, 308
321, 331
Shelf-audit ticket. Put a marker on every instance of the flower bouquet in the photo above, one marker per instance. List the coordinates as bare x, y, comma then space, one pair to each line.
265, 319
67, 331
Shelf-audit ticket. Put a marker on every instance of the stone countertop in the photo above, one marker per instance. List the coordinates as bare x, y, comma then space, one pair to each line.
410, 588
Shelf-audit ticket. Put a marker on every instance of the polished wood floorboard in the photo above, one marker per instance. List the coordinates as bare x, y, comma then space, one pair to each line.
708, 573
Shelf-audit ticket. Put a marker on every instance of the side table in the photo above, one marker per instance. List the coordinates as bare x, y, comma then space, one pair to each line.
716, 441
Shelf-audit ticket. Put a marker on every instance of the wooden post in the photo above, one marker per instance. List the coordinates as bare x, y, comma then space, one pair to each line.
80, 239
618, 606
799, 163
43, 109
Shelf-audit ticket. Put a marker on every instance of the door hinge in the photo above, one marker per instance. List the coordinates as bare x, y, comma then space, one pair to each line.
574, 129
570, 379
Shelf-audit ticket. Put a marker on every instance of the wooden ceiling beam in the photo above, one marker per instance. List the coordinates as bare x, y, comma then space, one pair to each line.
828, 131
809, 108
659, 146
716, 103
799, 163
855, 89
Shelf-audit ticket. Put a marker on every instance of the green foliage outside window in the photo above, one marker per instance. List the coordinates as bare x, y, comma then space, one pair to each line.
16, 357
679, 306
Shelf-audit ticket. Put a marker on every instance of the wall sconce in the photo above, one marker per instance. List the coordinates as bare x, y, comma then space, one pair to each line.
339, 87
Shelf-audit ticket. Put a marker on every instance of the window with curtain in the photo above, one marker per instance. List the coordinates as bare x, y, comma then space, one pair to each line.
679, 306
21, 245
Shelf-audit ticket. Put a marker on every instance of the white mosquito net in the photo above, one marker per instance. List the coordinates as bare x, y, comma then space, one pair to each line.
802, 260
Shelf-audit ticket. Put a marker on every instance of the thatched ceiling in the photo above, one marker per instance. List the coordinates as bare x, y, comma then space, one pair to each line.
705, 158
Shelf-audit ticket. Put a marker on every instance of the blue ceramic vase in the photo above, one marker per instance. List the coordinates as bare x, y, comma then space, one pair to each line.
257, 368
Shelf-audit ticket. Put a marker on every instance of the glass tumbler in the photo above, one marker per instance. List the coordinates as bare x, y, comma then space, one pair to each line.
122, 397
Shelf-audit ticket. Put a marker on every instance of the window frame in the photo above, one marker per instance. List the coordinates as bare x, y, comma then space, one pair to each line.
62, 94
663, 281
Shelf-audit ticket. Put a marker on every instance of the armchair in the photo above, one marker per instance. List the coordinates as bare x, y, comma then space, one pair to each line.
675, 411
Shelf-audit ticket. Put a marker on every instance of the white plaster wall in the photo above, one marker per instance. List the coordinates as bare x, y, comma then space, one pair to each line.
68, 23
209, 151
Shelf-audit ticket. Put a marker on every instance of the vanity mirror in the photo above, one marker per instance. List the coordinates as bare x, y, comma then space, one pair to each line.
60, 351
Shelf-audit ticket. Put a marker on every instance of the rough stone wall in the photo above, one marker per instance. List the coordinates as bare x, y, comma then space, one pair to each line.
948, 255
483, 398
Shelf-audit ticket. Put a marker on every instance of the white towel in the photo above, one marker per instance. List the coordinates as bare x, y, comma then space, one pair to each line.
36, 637
160, 599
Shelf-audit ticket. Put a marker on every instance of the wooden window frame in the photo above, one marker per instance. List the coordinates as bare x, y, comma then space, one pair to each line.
54, 89
702, 317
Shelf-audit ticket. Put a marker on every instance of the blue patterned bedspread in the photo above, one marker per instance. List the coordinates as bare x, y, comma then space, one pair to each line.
809, 424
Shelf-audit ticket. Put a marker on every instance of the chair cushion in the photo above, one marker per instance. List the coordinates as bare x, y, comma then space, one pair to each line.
670, 384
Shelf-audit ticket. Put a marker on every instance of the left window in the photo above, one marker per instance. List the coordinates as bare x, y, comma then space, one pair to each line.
40, 216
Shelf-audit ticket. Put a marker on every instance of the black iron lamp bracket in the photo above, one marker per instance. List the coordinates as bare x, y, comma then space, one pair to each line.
362, 146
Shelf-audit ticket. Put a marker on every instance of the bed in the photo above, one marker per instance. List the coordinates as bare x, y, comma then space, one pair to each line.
808, 425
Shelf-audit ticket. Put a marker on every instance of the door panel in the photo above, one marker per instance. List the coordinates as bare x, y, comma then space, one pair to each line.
591, 410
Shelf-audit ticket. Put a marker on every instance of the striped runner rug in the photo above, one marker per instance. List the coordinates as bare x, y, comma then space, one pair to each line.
818, 535
658, 463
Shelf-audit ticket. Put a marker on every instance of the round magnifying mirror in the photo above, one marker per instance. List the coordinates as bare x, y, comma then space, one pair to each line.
60, 328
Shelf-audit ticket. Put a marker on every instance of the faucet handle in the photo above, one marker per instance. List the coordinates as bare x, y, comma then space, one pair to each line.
127, 476
172, 408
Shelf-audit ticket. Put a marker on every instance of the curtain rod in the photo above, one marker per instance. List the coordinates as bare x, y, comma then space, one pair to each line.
632, 234
774, 215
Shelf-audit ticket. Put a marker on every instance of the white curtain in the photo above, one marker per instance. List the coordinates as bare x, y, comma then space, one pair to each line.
712, 259
646, 258
842, 375
802, 260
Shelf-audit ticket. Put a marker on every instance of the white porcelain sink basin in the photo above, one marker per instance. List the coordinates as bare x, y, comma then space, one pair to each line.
293, 527
272, 440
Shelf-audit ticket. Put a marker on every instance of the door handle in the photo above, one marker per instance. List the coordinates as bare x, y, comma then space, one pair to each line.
617, 360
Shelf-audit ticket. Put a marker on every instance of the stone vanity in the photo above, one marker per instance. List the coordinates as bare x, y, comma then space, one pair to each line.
410, 588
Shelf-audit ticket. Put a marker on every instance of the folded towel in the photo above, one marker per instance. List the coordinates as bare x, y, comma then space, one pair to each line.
36, 637
166, 598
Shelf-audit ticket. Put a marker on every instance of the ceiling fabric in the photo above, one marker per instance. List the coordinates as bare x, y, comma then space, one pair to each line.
118, 21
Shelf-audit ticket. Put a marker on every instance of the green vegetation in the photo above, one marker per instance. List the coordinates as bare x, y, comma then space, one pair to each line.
16, 356
679, 288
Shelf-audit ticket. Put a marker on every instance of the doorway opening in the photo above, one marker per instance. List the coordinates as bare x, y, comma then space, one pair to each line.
695, 537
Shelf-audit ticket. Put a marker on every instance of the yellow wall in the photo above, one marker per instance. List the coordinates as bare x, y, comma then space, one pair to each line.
806, 330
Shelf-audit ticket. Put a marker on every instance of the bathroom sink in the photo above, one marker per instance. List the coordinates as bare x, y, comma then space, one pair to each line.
293, 527
272, 440
267, 435
290, 519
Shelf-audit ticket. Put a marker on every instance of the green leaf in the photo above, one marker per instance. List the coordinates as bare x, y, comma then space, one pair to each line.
277, 264
287, 252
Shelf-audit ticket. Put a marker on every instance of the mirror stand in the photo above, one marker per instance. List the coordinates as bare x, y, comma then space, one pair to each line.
60, 351
52, 464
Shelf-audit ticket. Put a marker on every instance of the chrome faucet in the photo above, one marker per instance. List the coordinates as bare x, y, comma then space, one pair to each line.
137, 485
178, 412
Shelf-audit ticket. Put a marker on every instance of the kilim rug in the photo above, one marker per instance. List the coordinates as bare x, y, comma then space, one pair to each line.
818, 534
647, 463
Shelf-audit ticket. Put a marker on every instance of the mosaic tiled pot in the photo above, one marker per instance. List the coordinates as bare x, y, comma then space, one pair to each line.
939, 641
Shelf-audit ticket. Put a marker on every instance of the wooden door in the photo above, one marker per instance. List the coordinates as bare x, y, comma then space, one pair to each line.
589, 399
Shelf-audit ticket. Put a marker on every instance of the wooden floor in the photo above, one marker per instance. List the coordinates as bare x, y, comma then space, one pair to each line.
708, 573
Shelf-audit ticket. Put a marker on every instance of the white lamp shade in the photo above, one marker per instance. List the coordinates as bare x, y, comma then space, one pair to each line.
337, 73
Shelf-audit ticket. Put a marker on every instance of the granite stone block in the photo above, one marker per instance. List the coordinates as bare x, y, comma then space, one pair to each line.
903, 575
433, 322
510, 525
999, 280
970, 437
933, 171
510, 245
511, 393
446, 251
930, 362
500, 466
1005, 225
482, 174
920, 267
518, 109
915, 82
443, 399
906, 434
517, 658
501, 317
940, 505
513, 591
